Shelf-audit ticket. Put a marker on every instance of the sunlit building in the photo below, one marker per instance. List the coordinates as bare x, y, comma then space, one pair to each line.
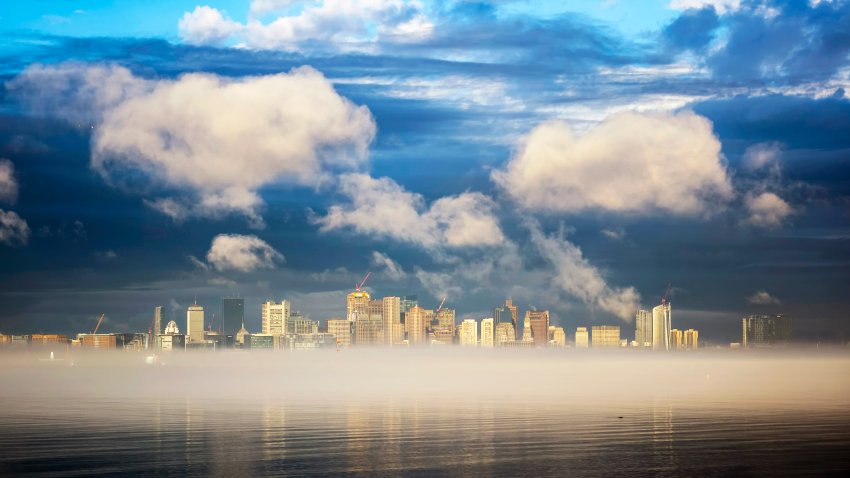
582, 338
469, 333
275, 317
357, 303
98, 341
557, 336
488, 333
301, 324
691, 339
504, 333
444, 331
675, 339
414, 323
643, 328
171, 342
661, 326
391, 319
259, 341
763, 330
195, 323
539, 322
171, 328
604, 336
507, 313
157, 321
526, 329
46, 339
341, 330
368, 323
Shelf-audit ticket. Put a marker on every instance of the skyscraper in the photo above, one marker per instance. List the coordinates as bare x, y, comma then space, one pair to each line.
691, 339
488, 332
761, 330
605, 336
367, 324
415, 324
504, 333
469, 333
275, 317
445, 325
391, 319
539, 323
557, 336
675, 339
341, 330
643, 328
195, 323
526, 329
661, 325
581, 338
157, 320
232, 315
507, 313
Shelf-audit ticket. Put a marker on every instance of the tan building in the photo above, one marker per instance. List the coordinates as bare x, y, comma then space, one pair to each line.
507, 313
444, 331
341, 330
98, 341
415, 323
44, 339
391, 319
557, 336
504, 333
691, 339
605, 336
357, 302
367, 327
488, 333
195, 324
582, 337
675, 339
469, 333
539, 322
275, 317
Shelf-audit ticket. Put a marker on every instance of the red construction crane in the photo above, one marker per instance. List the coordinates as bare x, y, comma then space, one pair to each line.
99, 321
441, 306
359, 286
664, 299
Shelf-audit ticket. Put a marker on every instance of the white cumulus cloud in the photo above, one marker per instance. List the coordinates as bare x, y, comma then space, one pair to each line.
762, 298
630, 163
242, 253
766, 209
14, 231
383, 208
721, 6
582, 280
8, 183
390, 268
218, 139
207, 26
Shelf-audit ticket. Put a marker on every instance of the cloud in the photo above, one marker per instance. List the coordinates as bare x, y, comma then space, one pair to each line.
614, 234
580, 279
439, 284
629, 163
763, 156
346, 24
14, 230
384, 209
242, 253
218, 139
722, 6
762, 298
8, 183
105, 256
391, 269
766, 209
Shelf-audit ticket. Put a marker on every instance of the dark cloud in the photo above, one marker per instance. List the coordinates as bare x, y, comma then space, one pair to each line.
692, 30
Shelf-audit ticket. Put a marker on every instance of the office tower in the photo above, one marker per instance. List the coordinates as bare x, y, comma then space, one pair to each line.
488, 332
357, 302
539, 323
195, 324
232, 315
761, 330
469, 333
507, 313
444, 331
415, 325
504, 333
661, 325
299, 323
341, 330
691, 339
643, 328
581, 337
675, 339
171, 328
367, 324
275, 317
157, 321
557, 336
408, 302
391, 315
526, 330
605, 336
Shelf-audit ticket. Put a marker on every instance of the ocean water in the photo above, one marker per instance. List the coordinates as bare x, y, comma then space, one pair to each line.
327, 415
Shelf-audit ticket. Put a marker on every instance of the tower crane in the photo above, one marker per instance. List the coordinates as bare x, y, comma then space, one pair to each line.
664, 299
359, 286
440, 307
99, 321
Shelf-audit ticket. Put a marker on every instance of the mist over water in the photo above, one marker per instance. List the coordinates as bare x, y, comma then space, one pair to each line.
443, 412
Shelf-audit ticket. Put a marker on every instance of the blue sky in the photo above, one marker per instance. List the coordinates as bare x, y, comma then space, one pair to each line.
573, 155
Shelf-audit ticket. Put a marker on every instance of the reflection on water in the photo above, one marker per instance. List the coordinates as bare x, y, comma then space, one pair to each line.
463, 439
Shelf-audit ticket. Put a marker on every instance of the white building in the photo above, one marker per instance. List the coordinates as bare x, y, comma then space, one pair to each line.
488, 332
661, 325
391, 317
582, 341
469, 333
643, 328
275, 316
195, 324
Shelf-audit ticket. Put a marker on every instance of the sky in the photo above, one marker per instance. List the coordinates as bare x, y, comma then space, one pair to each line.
576, 156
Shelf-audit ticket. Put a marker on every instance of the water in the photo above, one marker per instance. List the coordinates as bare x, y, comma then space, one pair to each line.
123, 424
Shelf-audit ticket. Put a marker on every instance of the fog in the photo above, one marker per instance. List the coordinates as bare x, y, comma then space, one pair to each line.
445, 376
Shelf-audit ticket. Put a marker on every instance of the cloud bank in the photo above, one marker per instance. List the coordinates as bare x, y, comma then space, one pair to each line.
14, 231
242, 253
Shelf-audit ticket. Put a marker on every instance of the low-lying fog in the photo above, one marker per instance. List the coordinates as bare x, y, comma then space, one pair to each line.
445, 376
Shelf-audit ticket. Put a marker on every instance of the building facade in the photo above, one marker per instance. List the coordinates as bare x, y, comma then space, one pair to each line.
643, 328
605, 336
274, 317
391, 319
582, 338
661, 326
764, 330
232, 314
341, 330
504, 333
538, 320
195, 324
469, 333
488, 333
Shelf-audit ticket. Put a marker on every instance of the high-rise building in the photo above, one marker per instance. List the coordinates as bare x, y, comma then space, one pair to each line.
504, 333
391, 315
232, 315
299, 323
691, 339
341, 330
357, 303
507, 313
761, 330
675, 339
605, 336
157, 321
367, 325
488, 332
444, 331
539, 323
643, 328
275, 317
661, 325
195, 324
171, 328
557, 336
526, 330
469, 333
414, 323
582, 341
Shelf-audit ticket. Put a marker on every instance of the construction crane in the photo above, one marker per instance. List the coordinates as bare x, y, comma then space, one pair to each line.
440, 306
664, 299
359, 286
99, 321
